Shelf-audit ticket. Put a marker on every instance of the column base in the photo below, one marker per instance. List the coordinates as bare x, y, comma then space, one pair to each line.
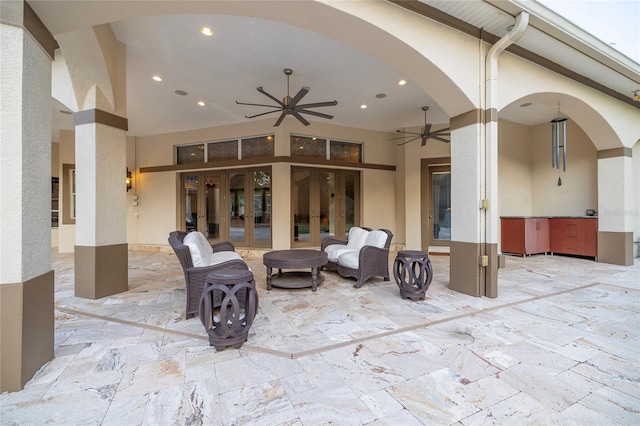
467, 276
26, 330
465, 271
101, 271
615, 248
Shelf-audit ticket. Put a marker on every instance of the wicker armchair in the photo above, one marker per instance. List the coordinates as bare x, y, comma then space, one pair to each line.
195, 277
362, 262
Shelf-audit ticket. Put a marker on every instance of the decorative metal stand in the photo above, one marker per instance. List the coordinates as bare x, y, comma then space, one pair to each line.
413, 273
228, 306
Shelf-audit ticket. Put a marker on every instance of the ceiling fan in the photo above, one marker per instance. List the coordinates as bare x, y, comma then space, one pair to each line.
289, 105
426, 132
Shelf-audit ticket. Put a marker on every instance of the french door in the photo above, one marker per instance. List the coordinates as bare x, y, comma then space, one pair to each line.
439, 209
229, 205
324, 203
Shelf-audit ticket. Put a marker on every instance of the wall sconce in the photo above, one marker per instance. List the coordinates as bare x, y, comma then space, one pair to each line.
128, 180
559, 140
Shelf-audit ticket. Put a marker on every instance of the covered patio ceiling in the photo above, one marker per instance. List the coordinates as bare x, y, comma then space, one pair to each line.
247, 52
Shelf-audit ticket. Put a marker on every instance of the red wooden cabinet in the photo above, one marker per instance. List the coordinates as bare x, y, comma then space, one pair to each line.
577, 236
562, 235
522, 235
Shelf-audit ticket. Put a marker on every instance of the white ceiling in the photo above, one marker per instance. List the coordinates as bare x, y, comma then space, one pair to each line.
245, 53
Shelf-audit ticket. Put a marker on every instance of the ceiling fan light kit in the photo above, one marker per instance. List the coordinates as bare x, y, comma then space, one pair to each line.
426, 133
290, 106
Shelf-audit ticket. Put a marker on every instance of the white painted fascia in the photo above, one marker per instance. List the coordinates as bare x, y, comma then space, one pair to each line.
565, 31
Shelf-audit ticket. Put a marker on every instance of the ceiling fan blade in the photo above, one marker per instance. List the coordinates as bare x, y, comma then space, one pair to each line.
401, 137
441, 133
300, 118
261, 90
282, 116
263, 105
424, 140
440, 139
410, 140
264, 113
318, 104
298, 96
317, 114
407, 133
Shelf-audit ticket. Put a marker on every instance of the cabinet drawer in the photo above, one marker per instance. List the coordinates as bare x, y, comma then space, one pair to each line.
578, 236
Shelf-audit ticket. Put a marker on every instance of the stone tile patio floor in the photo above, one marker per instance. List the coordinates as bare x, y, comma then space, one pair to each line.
560, 345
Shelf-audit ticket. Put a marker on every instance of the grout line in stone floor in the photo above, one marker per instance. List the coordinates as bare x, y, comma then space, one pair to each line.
302, 354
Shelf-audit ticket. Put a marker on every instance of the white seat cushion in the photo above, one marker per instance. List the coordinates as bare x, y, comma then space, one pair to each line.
334, 251
376, 238
350, 259
223, 256
199, 248
357, 237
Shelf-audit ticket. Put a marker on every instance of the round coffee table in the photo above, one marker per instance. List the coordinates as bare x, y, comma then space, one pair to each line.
294, 259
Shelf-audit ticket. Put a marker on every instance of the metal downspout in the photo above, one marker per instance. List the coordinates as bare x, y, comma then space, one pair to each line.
489, 190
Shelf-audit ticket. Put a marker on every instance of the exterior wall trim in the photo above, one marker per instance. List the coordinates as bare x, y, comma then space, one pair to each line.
615, 152
100, 117
39, 31
469, 118
266, 161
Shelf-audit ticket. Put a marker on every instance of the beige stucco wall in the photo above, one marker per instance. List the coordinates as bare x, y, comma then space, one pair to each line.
514, 169
579, 190
156, 214
608, 122
24, 167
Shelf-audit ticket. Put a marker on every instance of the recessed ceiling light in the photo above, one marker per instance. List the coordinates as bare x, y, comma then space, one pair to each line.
402, 82
526, 104
180, 92
206, 31
201, 103
157, 78
381, 95
363, 106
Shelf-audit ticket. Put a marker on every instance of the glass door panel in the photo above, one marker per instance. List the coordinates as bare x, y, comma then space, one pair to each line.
301, 206
237, 233
261, 208
440, 209
351, 194
213, 211
326, 211
321, 202
190, 190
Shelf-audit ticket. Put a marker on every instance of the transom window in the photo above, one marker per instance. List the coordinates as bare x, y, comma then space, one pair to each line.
225, 150
308, 146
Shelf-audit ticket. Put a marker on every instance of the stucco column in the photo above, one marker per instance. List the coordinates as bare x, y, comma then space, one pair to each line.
101, 251
26, 278
468, 245
615, 206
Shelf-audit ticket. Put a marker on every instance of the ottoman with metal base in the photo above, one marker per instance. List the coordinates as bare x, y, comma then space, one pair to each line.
228, 306
413, 273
